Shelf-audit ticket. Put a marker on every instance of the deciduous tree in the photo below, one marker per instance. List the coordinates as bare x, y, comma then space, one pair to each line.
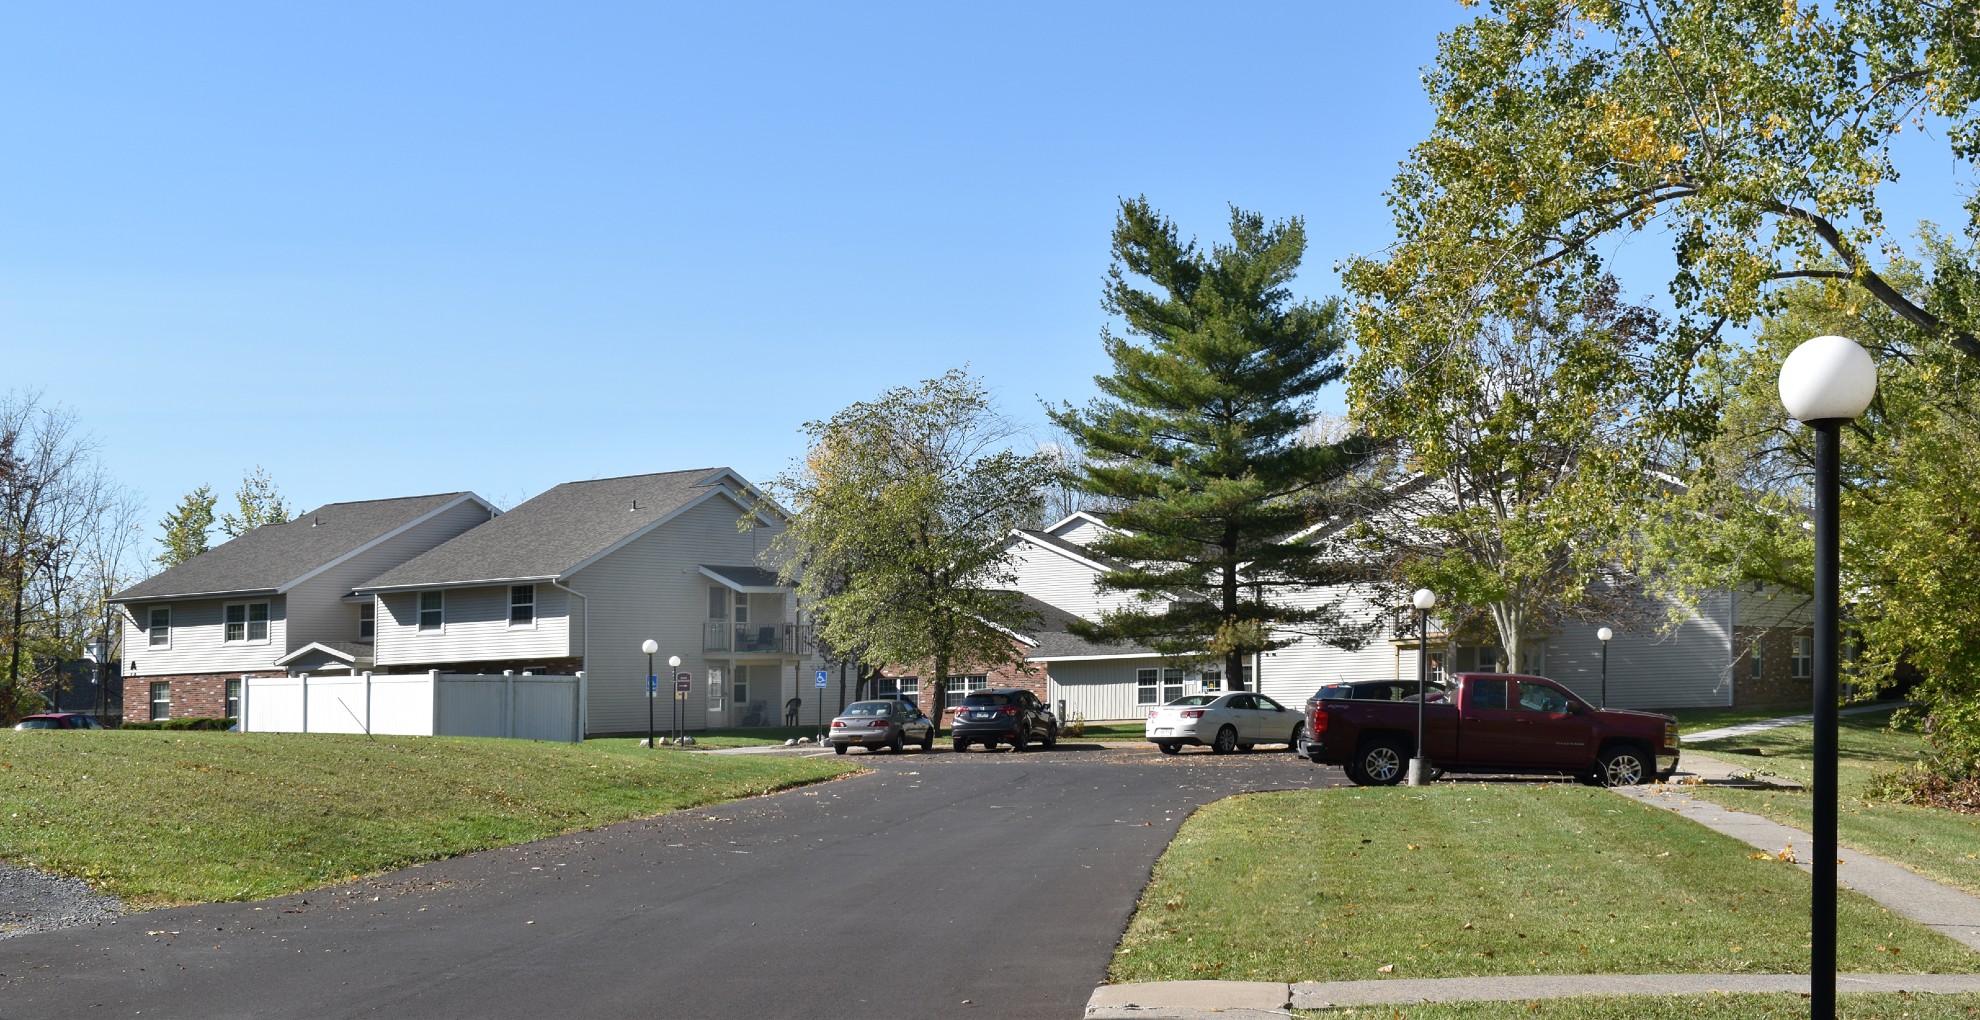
187, 529
259, 503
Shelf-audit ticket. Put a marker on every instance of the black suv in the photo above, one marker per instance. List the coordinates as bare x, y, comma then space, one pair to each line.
1008, 715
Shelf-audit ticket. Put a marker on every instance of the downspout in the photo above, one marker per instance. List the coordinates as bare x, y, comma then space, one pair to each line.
584, 674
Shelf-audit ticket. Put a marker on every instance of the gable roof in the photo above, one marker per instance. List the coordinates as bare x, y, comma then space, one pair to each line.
1047, 634
1071, 550
275, 557
563, 530
1072, 522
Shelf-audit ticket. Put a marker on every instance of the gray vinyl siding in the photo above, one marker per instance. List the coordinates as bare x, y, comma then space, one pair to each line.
1098, 690
197, 645
475, 627
1056, 579
1648, 667
1291, 674
1080, 532
652, 587
317, 611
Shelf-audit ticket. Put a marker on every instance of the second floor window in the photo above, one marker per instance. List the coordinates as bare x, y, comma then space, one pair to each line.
522, 605
246, 621
367, 621
432, 610
161, 627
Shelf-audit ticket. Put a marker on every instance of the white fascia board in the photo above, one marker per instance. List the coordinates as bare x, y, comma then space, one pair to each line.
747, 589
317, 648
751, 495
183, 596
1093, 658
1095, 565
395, 532
485, 582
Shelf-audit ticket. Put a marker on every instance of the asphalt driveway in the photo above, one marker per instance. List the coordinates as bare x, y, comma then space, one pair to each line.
991, 885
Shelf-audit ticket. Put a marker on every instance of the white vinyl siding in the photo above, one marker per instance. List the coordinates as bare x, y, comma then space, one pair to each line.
652, 587
317, 610
199, 642
1052, 577
476, 628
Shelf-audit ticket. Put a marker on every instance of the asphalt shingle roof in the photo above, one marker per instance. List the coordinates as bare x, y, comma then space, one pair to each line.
548, 535
1048, 628
273, 555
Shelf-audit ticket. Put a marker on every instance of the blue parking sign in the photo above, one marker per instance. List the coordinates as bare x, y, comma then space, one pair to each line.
820, 681
652, 684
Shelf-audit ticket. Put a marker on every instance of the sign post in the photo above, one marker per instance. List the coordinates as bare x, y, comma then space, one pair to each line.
818, 684
681, 683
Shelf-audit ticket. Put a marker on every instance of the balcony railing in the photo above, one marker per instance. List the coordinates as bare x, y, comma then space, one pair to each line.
724, 636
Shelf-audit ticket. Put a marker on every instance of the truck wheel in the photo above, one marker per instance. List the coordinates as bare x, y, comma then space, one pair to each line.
1379, 763
1226, 741
1624, 765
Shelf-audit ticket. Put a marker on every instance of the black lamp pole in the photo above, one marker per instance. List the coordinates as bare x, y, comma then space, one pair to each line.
652, 691
1822, 975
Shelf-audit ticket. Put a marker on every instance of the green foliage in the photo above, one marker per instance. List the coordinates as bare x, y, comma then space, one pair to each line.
1194, 443
1754, 134
186, 527
184, 723
260, 503
898, 518
1522, 469
1911, 478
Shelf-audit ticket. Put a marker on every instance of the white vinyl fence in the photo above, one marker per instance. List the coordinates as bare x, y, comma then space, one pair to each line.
419, 704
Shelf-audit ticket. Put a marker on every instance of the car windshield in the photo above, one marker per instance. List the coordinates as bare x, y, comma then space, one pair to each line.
985, 700
871, 708
1194, 700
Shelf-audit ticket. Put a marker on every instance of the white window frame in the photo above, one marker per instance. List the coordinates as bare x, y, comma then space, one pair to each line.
153, 628
160, 687
230, 703
514, 590
1801, 660
1165, 684
246, 623
367, 621
740, 684
420, 611
907, 687
1756, 662
960, 687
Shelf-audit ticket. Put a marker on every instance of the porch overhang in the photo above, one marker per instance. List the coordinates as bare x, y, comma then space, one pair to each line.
748, 580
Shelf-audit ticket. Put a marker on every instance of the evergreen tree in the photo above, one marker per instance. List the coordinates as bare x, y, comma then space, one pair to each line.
260, 503
186, 527
1196, 440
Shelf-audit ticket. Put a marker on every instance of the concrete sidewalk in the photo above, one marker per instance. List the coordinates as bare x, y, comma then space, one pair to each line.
1949, 911
1764, 725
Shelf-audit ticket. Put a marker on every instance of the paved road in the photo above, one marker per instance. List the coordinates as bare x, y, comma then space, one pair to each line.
987, 885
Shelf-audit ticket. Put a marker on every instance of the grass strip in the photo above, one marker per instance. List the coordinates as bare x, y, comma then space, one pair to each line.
163, 817
1457, 880
1868, 1006
1939, 844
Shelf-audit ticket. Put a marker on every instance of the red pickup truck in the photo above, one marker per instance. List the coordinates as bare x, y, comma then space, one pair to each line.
1492, 722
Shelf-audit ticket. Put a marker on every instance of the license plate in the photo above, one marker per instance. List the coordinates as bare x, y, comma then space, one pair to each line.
1162, 731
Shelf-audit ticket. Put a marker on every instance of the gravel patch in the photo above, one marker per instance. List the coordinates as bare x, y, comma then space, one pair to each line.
33, 901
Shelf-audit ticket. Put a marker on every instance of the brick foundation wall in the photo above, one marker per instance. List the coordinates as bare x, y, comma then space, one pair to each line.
1033, 680
1776, 685
194, 695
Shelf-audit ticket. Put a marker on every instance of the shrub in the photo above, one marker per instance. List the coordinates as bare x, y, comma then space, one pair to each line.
191, 723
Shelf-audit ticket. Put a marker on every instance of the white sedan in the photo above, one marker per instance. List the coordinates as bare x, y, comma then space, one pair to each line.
1224, 722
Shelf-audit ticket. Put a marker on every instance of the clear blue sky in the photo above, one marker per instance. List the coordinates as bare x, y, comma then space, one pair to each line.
386, 248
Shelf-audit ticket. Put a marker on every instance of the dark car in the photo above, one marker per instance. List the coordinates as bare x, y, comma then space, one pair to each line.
1009, 715
882, 723
59, 721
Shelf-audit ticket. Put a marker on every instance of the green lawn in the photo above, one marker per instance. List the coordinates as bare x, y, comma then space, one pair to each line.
1672, 1007
1698, 720
163, 817
1943, 845
1450, 880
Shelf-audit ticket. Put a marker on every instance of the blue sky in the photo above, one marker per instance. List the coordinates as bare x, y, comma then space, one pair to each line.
386, 249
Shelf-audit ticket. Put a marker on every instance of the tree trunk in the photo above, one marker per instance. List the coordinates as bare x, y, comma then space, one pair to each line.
1510, 619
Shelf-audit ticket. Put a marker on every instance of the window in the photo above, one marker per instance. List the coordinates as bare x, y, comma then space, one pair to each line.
1533, 658
1803, 661
718, 603
233, 699
742, 608
1540, 698
367, 621
742, 685
906, 688
960, 687
246, 621
522, 605
161, 627
161, 700
1488, 694
1213, 680
432, 610
1753, 660
1158, 687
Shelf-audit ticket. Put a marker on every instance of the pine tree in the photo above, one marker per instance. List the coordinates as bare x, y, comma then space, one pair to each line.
186, 527
1196, 440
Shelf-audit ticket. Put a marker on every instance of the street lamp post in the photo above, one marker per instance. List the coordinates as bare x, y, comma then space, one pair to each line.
1423, 600
1825, 382
99, 650
649, 646
1603, 636
673, 677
